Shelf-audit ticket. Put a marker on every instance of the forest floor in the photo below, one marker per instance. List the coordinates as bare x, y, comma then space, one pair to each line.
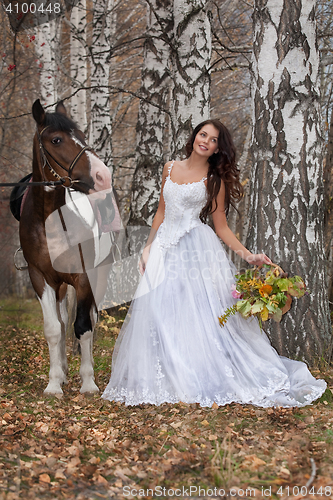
77, 447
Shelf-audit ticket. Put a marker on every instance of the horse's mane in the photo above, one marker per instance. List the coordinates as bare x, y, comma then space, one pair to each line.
59, 121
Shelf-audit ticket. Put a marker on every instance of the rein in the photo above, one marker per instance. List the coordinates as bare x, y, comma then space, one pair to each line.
42, 183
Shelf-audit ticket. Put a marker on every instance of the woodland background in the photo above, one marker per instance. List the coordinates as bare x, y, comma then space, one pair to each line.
80, 448
137, 75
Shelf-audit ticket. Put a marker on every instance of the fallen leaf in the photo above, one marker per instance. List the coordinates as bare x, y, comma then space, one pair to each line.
74, 462
42, 427
121, 473
284, 473
59, 474
51, 461
252, 462
44, 478
89, 470
141, 474
176, 425
101, 480
73, 450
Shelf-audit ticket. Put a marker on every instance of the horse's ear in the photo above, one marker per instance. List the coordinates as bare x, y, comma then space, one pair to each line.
38, 112
60, 108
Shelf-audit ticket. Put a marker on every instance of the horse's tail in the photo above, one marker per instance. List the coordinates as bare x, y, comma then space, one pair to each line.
71, 310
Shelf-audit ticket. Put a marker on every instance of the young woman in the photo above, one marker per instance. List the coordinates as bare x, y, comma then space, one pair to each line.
171, 347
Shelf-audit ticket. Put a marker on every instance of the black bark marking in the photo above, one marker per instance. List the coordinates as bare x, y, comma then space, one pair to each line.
187, 19
270, 95
290, 34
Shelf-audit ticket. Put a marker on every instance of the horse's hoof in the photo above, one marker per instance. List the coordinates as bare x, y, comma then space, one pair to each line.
53, 391
89, 389
58, 395
90, 395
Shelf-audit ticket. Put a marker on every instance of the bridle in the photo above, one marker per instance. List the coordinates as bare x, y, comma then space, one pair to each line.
66, 181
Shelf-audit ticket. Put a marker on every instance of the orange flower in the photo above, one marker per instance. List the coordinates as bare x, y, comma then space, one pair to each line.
265, 290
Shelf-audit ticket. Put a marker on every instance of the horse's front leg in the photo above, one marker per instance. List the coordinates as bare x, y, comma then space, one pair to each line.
54, 331
84, 327
62, 303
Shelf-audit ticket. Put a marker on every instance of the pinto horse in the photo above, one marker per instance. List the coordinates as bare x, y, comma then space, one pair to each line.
60, 153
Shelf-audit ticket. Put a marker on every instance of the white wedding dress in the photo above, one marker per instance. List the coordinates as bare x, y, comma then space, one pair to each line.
171, 347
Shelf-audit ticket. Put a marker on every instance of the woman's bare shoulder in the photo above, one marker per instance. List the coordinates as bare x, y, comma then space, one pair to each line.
166, 168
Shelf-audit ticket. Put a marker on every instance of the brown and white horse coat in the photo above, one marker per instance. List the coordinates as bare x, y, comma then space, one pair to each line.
59, 152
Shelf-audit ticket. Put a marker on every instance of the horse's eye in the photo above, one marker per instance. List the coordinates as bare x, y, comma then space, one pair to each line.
56, 140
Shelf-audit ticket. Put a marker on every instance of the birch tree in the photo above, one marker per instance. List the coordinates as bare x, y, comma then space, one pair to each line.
286, 219
102, 40
178, 37
325, 30
191, 57
78, 63
328, 198
47, 48
151, 125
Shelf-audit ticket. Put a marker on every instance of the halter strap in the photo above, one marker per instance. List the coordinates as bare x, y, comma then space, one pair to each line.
47, 126
67, 180
76, 159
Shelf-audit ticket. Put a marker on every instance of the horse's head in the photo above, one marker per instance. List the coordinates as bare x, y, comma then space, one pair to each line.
63, 153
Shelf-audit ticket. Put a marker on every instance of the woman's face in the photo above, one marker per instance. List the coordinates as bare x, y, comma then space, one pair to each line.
206, 141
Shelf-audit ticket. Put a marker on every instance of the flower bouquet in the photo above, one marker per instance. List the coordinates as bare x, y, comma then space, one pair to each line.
265, 292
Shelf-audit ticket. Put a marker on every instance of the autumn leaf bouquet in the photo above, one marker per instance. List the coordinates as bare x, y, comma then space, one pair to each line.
265, 292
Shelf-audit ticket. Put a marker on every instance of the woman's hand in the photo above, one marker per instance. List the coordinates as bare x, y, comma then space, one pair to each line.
258, 259
144, 259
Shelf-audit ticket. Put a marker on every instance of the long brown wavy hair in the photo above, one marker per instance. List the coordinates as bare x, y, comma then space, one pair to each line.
222, 165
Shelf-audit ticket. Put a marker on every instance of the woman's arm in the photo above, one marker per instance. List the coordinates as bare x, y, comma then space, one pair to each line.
157, 221
226, 235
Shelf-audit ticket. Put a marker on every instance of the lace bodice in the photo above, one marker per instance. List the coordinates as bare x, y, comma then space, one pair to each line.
183, 204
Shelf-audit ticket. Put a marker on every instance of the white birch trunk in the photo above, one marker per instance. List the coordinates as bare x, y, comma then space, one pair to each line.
328, 196
190, 67
237, 218
102, 40
155, 84
78, 63
286, 217
47, 49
